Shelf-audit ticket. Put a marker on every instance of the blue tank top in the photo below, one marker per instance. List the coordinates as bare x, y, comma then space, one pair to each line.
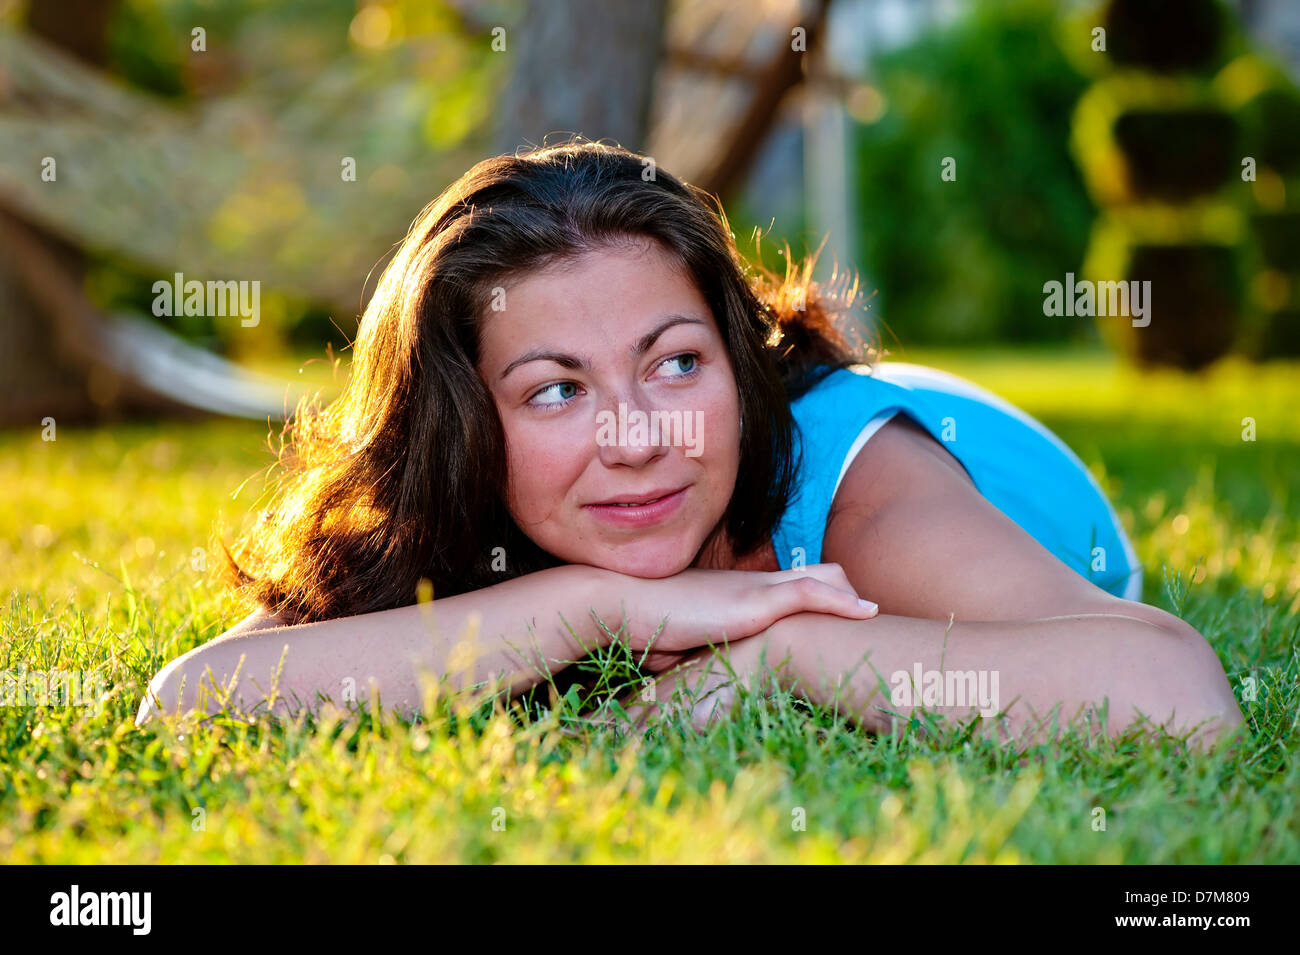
1016, 463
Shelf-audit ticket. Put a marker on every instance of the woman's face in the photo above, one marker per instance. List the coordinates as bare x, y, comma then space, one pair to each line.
614, 388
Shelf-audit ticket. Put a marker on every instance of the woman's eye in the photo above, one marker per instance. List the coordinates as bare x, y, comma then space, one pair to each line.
685, 361
563, 390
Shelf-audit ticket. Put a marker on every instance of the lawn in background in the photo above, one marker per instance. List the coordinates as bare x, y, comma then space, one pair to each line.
105, 552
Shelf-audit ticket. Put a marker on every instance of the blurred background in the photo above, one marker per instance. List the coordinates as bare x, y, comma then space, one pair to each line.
958, 155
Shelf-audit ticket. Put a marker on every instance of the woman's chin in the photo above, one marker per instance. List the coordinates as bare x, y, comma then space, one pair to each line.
652, 565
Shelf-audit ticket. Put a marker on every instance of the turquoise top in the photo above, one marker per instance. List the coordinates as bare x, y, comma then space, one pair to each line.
1023, 469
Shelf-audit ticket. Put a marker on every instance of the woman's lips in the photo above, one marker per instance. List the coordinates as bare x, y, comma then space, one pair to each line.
639, 515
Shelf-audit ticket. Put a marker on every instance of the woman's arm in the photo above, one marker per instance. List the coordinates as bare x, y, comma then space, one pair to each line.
1020, 675
392, 647
1033, 671
526, 628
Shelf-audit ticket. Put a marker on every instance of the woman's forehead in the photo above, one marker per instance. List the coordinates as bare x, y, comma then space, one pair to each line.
602, 302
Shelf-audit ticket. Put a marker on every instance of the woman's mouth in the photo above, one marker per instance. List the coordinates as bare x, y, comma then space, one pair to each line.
639, 510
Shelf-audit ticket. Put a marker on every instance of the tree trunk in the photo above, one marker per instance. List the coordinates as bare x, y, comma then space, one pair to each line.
35, 381
38, 378
583, 66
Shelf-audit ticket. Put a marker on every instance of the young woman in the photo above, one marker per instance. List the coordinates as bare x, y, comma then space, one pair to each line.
487, 443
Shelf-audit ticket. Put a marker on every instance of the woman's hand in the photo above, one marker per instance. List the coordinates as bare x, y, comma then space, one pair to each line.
699, 607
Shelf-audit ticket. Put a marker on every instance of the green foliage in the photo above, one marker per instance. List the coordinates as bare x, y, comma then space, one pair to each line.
1272, 129
1160, 148
146, 52
151, 41
300, 84
965, 260
97, 551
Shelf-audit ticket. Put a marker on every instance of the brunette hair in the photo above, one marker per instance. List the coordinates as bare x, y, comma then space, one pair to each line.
403, 477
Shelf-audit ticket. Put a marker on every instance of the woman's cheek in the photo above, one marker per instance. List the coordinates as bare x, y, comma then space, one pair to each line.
543, 465
721, 438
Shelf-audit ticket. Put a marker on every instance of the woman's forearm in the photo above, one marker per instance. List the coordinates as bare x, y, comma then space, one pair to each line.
1022, 669
522, 633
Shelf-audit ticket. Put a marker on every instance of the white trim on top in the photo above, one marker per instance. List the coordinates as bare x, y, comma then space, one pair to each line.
874, 425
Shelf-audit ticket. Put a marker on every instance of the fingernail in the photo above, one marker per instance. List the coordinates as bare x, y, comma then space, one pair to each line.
867, 604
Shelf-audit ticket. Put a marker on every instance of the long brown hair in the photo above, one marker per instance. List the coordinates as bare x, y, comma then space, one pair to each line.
403, 476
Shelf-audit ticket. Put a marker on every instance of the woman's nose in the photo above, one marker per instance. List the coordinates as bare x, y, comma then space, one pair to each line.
626, 434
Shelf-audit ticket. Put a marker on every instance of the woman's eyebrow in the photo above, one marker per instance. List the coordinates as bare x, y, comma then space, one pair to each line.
646, 341
643, 345
541, 354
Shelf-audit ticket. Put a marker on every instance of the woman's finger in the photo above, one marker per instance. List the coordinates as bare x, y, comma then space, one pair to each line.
808, 594
831, 573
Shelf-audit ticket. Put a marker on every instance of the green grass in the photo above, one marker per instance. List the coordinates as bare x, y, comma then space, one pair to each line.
98, 547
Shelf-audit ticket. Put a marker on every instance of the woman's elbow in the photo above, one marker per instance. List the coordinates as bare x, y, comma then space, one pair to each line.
164, 692
173, 689
1187, 688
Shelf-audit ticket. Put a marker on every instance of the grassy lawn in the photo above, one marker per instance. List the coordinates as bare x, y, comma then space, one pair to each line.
106, 533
